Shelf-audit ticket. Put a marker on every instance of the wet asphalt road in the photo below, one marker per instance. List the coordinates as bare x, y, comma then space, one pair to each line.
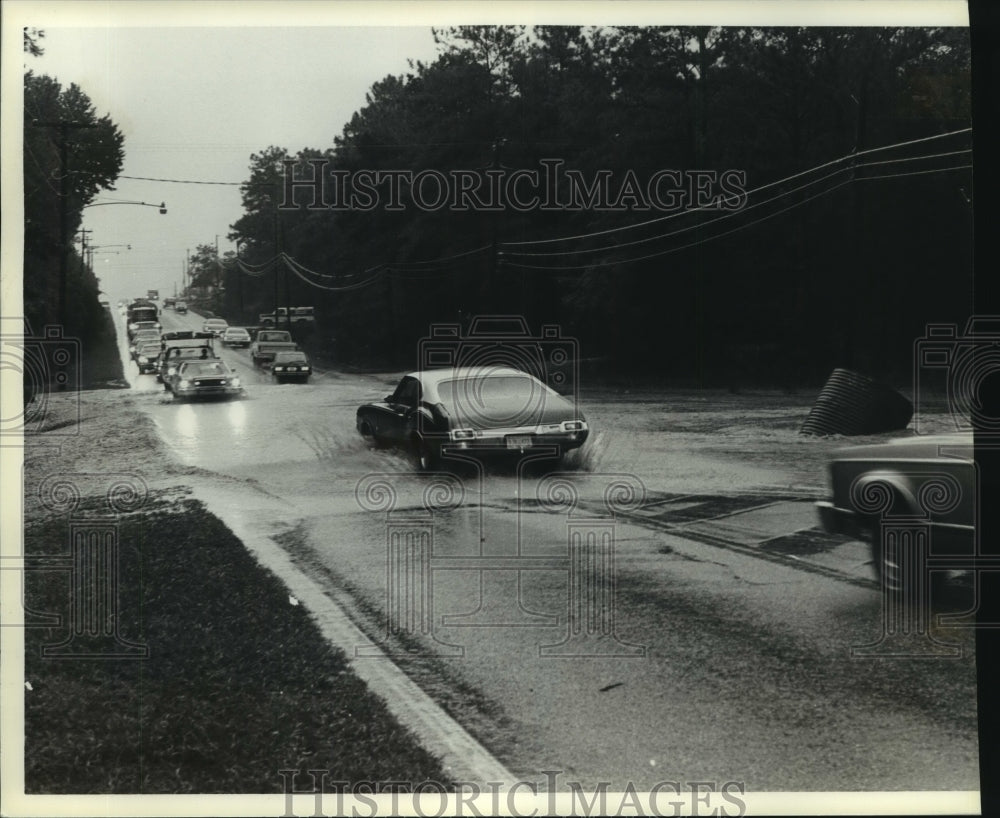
691, 627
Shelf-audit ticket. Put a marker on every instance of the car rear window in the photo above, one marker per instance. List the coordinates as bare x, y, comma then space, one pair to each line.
487, 388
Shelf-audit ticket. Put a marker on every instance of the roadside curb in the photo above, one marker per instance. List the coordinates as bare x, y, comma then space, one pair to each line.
462, 757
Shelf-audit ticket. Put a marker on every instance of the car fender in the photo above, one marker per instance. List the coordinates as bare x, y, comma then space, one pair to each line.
882, 492
420, 422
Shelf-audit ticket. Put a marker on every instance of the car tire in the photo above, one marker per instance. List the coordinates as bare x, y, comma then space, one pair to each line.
426, 456
891, 571
369, 436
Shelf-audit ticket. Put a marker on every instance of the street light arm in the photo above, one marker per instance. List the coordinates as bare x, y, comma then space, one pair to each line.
162, 205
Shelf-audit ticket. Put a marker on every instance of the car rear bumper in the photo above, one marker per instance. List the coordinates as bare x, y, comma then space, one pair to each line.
519, 442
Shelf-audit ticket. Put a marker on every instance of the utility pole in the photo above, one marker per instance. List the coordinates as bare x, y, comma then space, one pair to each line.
491, 273
277, 251
62, 126
83, 250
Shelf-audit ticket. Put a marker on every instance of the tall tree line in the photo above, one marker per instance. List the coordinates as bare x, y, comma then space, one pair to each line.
805, 275
70, 154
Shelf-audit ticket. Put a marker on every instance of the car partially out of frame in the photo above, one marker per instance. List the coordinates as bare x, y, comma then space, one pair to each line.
928, 481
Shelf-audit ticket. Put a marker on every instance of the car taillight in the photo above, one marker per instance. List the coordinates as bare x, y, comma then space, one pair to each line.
462, 434
573, 425
143, 359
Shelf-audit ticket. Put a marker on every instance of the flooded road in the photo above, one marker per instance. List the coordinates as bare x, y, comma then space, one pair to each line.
661, 608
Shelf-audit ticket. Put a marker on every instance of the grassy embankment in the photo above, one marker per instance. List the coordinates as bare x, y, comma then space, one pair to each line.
238, 682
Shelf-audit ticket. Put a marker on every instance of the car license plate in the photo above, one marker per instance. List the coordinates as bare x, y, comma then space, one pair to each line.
519, 441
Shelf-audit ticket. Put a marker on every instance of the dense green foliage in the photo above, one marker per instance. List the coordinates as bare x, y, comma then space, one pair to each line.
93, 159
843, 271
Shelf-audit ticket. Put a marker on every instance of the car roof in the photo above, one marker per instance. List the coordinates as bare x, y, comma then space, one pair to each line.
433, 377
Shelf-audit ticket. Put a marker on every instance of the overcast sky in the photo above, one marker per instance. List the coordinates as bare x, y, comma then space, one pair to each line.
194, 104
196, 88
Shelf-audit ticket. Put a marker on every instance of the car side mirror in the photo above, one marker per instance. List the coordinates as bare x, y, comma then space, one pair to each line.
388, 398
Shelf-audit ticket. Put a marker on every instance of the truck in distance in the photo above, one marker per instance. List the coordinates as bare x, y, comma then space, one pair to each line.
268, 343
299, 315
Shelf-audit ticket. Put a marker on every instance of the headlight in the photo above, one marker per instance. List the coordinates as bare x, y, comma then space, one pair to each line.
172, 371
184, 383
279, 369
235, 382
573, 425
143, 359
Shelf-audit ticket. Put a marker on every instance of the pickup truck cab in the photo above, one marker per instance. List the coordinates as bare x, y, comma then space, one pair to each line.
299, 315
268, 343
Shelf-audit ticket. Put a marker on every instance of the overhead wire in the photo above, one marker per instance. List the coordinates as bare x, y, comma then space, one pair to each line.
689, 245
767, 186
733, 213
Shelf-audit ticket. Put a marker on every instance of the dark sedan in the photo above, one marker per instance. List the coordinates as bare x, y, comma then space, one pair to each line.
291, 366
486, 410
924, 485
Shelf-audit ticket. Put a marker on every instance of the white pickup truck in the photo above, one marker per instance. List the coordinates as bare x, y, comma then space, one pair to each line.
269, 342
302, 316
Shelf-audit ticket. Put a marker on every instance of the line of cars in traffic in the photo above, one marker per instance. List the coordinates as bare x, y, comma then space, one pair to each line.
188, 366
878, 492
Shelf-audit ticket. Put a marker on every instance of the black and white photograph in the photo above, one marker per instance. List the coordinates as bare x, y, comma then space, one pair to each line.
577, 408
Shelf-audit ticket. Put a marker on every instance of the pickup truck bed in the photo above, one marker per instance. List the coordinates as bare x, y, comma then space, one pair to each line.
268, 343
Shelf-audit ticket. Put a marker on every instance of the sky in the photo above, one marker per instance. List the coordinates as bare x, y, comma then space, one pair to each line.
197, 88
194, 104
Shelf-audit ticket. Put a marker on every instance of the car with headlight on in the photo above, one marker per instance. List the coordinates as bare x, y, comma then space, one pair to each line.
925, 482
235, 337
216, 326
177, 347
478, 411
204, 379
146, 355
138, 326
290, 366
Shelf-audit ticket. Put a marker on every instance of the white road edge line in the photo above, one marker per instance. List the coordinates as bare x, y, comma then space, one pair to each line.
463, 758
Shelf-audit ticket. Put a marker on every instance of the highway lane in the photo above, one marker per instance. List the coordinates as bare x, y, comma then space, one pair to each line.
709, 653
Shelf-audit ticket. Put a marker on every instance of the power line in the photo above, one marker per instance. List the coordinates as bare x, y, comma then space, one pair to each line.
613, 262
732, 214
849, 156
